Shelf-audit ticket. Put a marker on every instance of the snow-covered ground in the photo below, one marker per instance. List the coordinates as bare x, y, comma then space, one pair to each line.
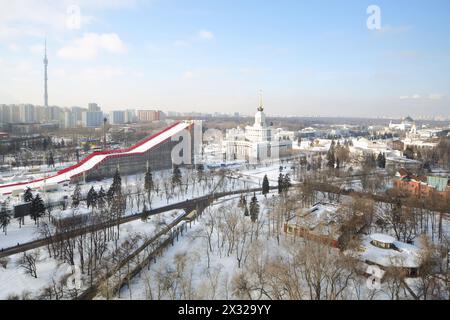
191, 270
15, 281
241, 179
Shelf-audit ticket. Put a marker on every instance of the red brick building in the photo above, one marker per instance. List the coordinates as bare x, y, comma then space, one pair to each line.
421, 186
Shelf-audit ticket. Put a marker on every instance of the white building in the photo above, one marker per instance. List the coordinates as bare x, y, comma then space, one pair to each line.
405, 125
420, 139
255, 143
70, 119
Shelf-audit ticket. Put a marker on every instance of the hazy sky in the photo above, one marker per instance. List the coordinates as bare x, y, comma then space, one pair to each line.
308, 57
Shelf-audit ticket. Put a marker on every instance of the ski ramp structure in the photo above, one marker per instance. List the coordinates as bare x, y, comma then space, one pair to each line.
154, 151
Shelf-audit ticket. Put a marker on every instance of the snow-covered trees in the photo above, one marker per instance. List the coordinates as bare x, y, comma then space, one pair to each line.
284, 183
76, 196
28, 262
200, 172
50, 160
91, 198
28, 195
254, 208
176, 176
101, 198
116, 200
381, 160
280, 183
148, 180
5, 219
149, 184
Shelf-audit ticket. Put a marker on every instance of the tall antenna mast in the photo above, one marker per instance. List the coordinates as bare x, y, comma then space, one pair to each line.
45, 74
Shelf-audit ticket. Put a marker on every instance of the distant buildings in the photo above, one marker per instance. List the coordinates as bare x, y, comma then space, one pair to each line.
93, 107
422, 186
117, 117
149, 115
130, 116
405, 125
70, 119
92, 119
77, 114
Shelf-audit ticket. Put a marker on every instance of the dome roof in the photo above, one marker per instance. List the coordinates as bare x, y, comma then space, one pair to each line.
408, 119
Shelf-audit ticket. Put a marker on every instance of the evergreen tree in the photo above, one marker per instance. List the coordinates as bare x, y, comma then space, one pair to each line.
145, 213
116, 200
28, 196
200, 171
45, 144
242, 201
176, 176
254, 208
246, 213
76, 196
331, 158
409, 153
101, 198
380, 160
116, 187
5, 219
50, 160
91, 198
286, 183
148, 181
265, 186
280, 183
37, 209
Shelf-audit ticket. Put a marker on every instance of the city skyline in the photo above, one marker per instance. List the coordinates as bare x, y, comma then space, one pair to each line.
184, 57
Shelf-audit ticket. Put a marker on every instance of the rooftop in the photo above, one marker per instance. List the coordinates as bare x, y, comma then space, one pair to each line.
402, 255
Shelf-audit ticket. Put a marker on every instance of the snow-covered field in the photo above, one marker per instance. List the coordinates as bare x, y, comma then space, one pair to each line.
14, 281
201, 266
242, 179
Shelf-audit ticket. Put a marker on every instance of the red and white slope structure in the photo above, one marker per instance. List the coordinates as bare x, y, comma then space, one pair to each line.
97, 158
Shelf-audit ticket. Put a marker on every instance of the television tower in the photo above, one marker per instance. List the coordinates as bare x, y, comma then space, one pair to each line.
45, 76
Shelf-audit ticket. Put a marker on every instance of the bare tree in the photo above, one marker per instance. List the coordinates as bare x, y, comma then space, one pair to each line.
28, 262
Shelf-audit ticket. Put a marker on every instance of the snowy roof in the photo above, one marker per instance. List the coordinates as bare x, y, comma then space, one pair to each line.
319, 215
402, 255
384, 238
